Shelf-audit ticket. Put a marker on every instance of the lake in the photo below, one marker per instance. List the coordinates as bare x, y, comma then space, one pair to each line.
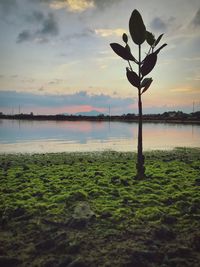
67, 136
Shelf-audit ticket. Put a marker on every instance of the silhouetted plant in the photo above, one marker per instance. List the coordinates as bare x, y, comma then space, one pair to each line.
139, 35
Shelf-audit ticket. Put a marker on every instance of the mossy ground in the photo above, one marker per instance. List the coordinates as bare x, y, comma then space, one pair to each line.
147, 223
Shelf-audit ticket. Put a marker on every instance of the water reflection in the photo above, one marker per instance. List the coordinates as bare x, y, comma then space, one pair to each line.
57, 136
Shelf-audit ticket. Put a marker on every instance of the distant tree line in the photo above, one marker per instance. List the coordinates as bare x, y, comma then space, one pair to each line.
171, 116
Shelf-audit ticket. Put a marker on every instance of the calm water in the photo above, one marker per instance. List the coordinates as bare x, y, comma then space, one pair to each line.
59, 136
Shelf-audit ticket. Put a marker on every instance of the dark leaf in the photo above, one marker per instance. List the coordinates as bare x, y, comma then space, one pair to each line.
146, 84
125, 38
158, 50
128, 48
150, 38
145, 81
137, 28
148, 64
158, 40
122, 52
133, 78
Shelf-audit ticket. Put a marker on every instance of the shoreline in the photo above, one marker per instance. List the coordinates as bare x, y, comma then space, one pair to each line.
29, 150
100, 119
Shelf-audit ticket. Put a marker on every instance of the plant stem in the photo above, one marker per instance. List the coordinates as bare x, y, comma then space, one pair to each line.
130, 65
140, 158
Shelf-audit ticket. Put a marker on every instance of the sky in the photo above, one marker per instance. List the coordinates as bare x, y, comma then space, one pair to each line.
55, 56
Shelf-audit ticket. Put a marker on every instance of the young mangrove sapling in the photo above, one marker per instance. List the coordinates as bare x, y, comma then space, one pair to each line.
139, 35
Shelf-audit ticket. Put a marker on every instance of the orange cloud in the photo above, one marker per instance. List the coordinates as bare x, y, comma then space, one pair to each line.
73, 5
183, 89
109, 32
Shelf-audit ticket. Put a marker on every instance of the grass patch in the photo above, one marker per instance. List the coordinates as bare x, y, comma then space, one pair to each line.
86, 209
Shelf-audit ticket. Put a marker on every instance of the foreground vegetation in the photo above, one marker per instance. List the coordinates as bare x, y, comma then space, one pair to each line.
86, 209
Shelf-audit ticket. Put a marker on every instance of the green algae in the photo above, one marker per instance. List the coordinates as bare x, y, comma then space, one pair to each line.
152, 222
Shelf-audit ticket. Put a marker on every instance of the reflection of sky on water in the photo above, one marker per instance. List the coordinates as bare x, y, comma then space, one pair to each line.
77, 131
57, 136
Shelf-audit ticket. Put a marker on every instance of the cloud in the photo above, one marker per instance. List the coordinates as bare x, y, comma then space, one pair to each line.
77, 5
14, 76
158, 24
183, 89
48, 28
87, 32
109, 32
72, 5
105, 3
55, 81
28, 80
7, 5
197, 78
36, 16
196, 19
13, 98
24, 36
191, 58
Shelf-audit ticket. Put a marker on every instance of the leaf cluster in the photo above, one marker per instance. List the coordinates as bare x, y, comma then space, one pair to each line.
139, 35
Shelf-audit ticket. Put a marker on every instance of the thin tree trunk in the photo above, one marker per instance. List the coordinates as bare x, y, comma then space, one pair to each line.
140, 157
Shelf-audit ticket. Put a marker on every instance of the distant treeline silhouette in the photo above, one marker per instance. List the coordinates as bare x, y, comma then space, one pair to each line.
171, 116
